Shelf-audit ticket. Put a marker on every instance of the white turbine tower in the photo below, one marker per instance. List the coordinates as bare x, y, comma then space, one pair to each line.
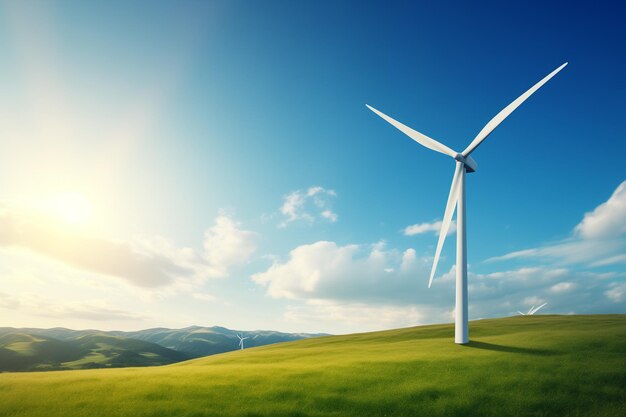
241, 339
456, 198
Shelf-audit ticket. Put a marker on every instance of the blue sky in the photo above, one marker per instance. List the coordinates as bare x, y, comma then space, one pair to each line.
170, 164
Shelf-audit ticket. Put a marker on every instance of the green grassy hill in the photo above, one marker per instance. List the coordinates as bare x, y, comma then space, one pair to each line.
27, 352
21, 351
518, 366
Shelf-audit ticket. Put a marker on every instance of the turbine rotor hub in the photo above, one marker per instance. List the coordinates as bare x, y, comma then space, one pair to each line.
468, 162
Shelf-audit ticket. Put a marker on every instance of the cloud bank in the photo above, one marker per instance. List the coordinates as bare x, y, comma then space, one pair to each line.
325, 270
86, 310
598, 240
356, 281
147, 263
362, 284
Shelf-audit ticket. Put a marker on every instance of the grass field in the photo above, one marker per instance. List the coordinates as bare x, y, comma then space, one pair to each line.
518, 366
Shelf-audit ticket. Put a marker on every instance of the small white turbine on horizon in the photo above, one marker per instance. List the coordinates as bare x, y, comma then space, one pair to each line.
456, 198
241, 339
532, 310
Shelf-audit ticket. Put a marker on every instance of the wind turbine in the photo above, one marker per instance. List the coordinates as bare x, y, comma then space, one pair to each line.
456, 198
241, 339
532, 310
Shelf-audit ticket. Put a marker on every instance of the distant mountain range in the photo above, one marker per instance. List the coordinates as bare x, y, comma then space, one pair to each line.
59, 348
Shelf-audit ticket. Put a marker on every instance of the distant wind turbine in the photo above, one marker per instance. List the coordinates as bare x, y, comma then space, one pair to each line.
241, 339
464, 163
532, 310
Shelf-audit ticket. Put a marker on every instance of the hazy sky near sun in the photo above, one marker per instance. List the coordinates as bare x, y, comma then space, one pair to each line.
213, 162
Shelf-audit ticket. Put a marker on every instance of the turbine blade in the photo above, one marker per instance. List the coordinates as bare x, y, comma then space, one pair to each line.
447, 218
499, 118
537, 309
530, 312
415, 135
521, 313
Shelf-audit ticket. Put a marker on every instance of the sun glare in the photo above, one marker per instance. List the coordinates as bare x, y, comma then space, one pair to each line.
72, 208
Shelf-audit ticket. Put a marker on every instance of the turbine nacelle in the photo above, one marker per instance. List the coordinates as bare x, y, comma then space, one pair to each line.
468, 161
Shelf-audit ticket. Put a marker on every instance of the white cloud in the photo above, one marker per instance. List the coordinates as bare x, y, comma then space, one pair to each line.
132, 262
329, 215
227, 245
146, 263
293, 207
612, 260
616, 292
317, 190
598, 240
337, 282
608, 220
309, 206
571, 251
434, 227
96, 310
325, 275
533, 301
325, 270
562, 287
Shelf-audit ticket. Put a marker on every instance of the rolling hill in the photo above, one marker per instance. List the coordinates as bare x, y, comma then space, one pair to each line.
31, 352
198, 341
21, 351
518, 366
31, 349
